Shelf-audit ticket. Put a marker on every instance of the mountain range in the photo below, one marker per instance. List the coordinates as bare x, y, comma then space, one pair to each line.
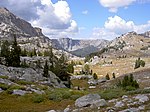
32, 37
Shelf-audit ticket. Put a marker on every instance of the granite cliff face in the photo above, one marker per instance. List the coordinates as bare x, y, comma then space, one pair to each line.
10, 23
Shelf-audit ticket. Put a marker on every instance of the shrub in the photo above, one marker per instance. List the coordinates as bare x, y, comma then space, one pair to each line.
139, 63
112, 93
113, 75
38, 98
55, 96
107, 77
128, 83
4, 77
74, 97
4, 86
95, 76
22, 82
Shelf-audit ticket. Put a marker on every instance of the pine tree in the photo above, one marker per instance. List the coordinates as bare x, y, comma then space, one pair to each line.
34, 52
5, 49
107, 77
15, 53
95, 76
113, 75
45, 70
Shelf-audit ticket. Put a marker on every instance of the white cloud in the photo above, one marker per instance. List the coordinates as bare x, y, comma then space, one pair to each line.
54, 19
102, 33
113, 5
115, 26
118, 25
85, 12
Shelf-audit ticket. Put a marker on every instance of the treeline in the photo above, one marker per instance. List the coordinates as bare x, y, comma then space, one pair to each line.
11, 53
59, 66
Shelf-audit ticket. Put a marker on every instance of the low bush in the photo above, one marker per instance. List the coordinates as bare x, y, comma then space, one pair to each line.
4, 77
4, 86
38, 98
112, 93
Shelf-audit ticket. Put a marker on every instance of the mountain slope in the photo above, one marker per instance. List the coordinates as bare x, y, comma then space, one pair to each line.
85, 51
80, 47
28, 37
130, 44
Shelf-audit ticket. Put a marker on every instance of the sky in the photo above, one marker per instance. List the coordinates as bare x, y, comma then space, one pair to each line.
83, 19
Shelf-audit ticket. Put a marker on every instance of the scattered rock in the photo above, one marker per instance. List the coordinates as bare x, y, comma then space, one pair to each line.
92, 82
141, 107
75, 110
6, 81
119, 104
1, 90
130, 110
67, 110
51, 111
100, 103
37, 91
124, 96
19, 92
142, 98
92, 87
87, 100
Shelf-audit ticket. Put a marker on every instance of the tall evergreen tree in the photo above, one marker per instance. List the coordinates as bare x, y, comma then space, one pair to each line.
15, 53
45, 70
51, 58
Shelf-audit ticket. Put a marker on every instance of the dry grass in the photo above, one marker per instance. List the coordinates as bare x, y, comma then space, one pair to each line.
118, 66
12, 103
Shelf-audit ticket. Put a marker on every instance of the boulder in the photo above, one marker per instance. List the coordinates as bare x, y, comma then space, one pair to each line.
51, 111
100, 103
131, 110
119, 104
19, 92
92, 82
37, 91
6, 81
1, 90
88, 100
142, 98
67, 110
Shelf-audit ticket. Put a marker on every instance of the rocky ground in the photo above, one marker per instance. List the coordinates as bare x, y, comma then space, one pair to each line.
94, 103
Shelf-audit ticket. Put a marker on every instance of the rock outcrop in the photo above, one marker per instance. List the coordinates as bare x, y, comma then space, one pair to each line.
30, 75
90, 100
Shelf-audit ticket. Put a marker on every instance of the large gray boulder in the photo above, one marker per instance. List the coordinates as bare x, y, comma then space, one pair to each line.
90, 99
19, 92
142, 98
29, 74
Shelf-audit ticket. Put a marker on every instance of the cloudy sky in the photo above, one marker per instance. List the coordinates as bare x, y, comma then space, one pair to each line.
94, 19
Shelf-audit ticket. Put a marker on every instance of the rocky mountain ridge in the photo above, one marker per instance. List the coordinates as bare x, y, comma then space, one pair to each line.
32, 36
130, 44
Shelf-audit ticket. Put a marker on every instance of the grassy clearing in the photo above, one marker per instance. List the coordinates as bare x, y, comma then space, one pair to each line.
56, 99
118, 66
13, 103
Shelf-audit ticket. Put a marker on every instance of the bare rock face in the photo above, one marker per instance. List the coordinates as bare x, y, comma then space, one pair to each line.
90, 100
28, 74
16, 23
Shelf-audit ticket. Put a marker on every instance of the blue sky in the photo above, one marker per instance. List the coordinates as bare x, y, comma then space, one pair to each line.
86, 19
